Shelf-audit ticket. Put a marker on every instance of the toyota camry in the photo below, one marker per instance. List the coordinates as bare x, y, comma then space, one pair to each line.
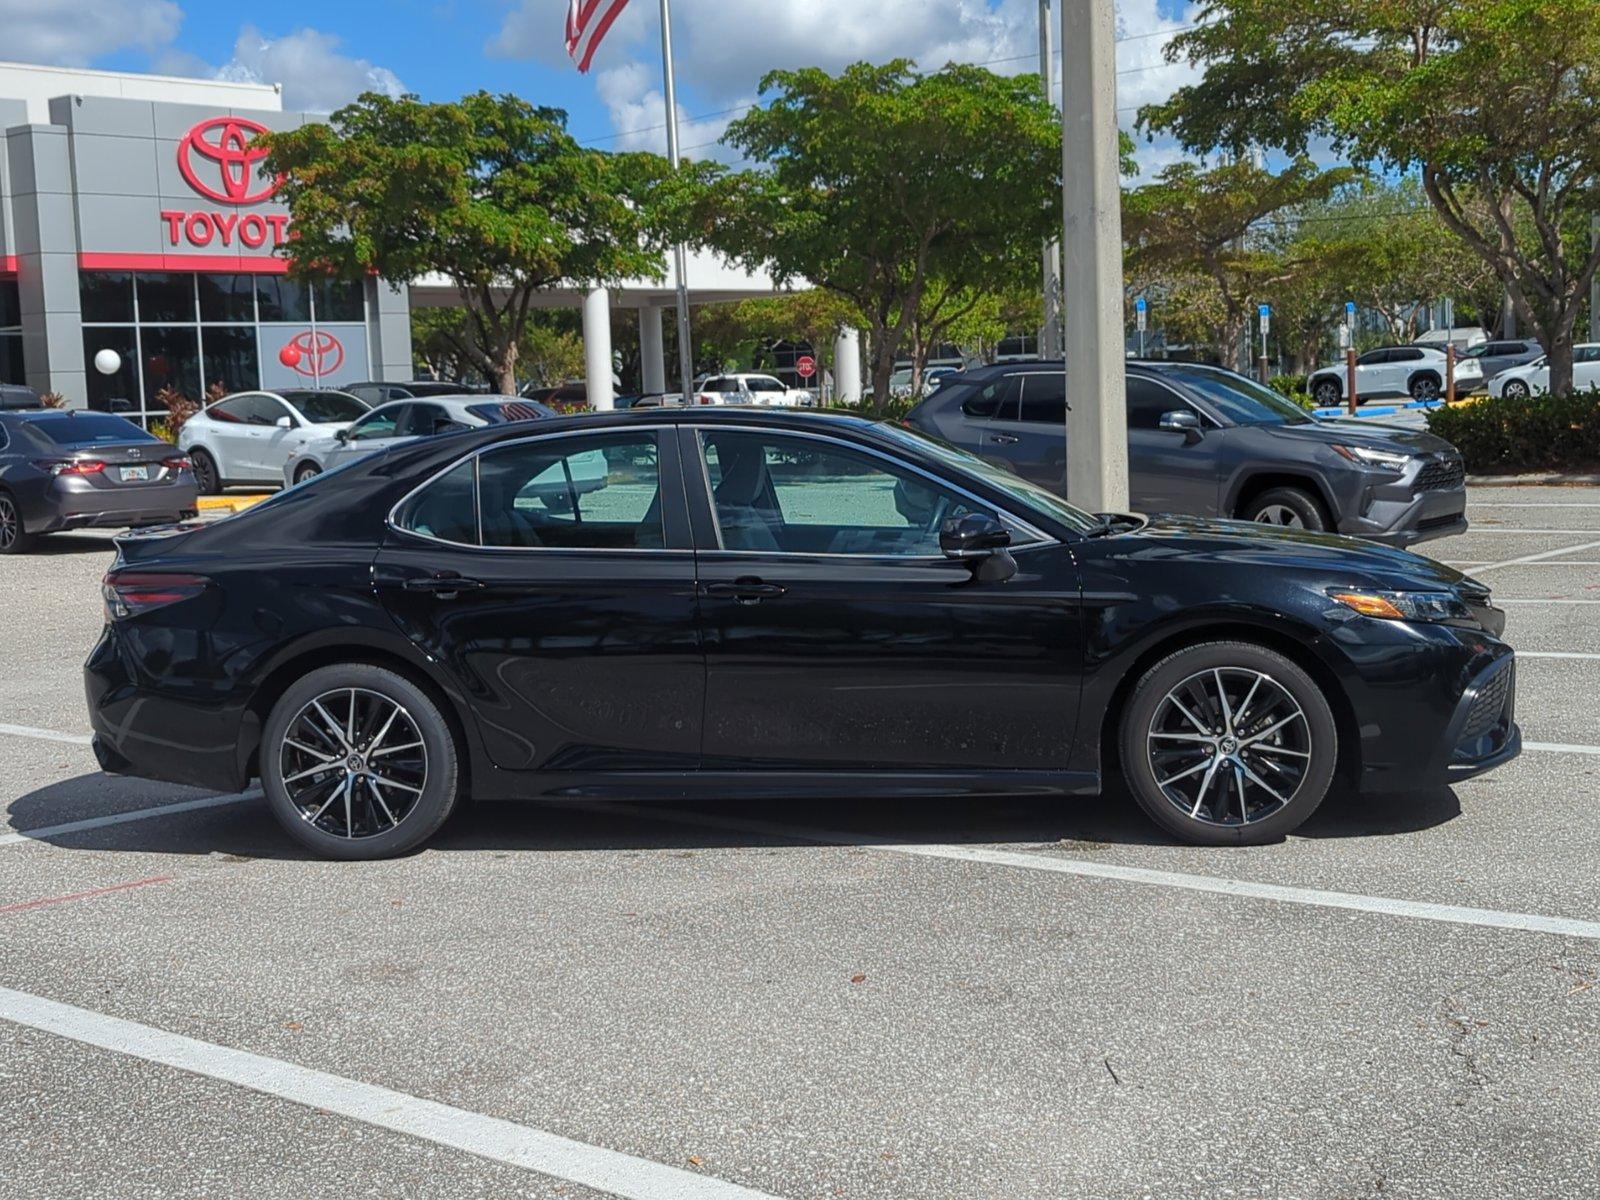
773, 605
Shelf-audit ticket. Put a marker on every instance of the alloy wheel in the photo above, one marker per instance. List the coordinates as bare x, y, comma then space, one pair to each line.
1281, 515
10, 523
1425, 389
1229, 746
353, 763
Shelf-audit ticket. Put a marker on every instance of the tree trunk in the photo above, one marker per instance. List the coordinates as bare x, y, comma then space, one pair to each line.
1560, 352
883, 349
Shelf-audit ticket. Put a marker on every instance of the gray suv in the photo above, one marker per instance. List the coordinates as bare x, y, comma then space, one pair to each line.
1211, 443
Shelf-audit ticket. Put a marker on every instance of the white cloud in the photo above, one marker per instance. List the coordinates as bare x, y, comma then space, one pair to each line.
73, 33
723, 48
315, 76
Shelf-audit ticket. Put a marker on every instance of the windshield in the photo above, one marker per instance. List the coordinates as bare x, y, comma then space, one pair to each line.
1243, 401
1027, 495
90, 431
326, 408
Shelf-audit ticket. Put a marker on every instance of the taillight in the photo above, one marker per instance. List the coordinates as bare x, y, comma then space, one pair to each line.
70, 466
132, 594
178, 462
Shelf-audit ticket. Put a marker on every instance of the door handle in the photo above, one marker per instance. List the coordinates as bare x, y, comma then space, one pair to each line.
746, 591
1005, 439
443, 585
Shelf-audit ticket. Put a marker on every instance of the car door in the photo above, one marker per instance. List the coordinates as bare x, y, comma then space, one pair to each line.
274, 429
1038, 416
228, 434
568, 613
1372, 373
377, 430
838, 637
1170, 471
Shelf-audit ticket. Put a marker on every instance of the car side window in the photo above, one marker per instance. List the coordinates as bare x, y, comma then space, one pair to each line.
1149, 401
1405, 355
1586, 354
1044, 398
422, 420
263, 410
232, 411
379, 423
992, 399
793, 495
597, 492
447, 508
1373, 358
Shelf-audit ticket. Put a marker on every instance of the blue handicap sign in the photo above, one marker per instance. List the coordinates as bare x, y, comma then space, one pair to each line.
1139, 304
1264, 309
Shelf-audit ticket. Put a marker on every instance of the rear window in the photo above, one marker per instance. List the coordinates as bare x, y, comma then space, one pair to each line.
503, 414
96, 429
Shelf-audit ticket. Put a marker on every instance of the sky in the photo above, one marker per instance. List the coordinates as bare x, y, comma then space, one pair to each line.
326, 53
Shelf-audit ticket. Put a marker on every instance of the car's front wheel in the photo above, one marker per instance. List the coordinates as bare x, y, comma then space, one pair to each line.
358, 762
1326, 393
1228, 743
1515, 389
306, 471
14, 538
1287, 508
1425, 387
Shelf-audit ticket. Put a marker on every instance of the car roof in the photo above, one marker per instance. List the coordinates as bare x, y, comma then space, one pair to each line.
457, 403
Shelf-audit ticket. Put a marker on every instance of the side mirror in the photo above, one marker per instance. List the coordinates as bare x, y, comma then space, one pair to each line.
980, 541
1185, 422
284, 422
343, 435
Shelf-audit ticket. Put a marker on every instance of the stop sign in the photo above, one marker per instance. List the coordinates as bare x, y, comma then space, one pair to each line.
805, 366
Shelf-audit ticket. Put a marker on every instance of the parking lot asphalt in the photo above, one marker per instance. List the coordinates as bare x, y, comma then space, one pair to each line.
887, 999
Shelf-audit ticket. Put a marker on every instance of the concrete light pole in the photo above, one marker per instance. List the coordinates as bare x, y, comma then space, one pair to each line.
680, 262
1097, 417
1050, 331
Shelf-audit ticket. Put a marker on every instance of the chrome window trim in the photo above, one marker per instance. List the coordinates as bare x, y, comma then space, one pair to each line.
477, 503
1041, 539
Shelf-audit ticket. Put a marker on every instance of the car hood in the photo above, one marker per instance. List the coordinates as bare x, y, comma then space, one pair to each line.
1342, 560
1335, 431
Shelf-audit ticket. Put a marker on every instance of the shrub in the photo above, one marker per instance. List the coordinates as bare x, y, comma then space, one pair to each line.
1541, 433
52, 400
179, 409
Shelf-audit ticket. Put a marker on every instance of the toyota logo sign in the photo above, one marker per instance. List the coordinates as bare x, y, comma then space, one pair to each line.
218, 159
311, 356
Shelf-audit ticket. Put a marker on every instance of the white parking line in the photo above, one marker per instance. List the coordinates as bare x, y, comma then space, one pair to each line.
46, 735
1382, 905
1538, 504
1553, 654
123, 818
1560, 562
1504, 603
1508, 529
492, 1138
1560, 748
1533, 558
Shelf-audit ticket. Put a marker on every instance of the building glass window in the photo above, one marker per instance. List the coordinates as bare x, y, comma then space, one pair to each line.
118, 392
193, 332
106, 296
10, 333
227, 298
10, 305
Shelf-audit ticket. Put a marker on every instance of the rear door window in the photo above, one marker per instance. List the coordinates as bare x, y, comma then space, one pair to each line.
992, 399
1044, 399
596, 492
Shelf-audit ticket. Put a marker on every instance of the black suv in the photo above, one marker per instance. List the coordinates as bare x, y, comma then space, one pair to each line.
1212, 443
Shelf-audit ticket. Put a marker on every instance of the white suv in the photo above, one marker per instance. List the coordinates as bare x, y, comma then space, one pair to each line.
745, 388
1389, 371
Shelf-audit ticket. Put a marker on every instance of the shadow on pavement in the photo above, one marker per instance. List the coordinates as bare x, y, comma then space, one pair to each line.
56, 545
247, 829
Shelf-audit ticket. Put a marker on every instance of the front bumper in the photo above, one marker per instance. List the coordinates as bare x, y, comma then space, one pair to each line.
1483, 733
1428, 501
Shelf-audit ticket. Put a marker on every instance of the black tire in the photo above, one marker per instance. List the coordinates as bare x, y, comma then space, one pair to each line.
306, 471
1327, 392
207, 479
1290, 780
14, 536
1286, 508
416, 807
1516, 389
1424, 387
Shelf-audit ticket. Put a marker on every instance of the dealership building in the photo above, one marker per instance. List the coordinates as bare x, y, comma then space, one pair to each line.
134, 218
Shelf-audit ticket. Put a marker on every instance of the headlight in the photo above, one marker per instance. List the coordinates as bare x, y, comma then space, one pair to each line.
1405, 606
1366, 457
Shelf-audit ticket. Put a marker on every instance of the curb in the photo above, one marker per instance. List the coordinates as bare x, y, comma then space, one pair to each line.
230, 504
1548, 480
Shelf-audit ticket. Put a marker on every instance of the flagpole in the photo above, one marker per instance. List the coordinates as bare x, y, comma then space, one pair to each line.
685, 351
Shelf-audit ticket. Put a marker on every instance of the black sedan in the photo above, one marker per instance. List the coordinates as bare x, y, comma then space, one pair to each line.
63, 469
768, 604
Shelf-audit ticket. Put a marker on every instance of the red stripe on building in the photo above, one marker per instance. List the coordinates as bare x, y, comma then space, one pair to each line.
8, 264
184, 262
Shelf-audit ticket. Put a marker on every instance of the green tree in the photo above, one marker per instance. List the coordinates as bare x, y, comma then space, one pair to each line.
1494, 103
490, 191
1196, 222
875, 183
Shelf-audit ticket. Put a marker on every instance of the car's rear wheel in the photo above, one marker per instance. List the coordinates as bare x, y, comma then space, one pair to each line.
1287, 508
14, 538
1515, 389
207, 479
1326, 393
1228, 743
306, 471
358, 763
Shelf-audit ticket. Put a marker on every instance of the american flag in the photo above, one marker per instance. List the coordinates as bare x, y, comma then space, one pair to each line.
587, 23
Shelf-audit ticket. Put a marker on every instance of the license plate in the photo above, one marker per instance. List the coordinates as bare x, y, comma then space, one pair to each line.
135, 474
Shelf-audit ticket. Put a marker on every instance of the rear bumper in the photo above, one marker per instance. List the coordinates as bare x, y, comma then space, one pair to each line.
115, 508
